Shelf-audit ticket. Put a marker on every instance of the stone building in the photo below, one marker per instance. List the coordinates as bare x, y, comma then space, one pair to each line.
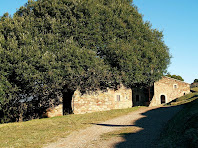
168, 89
163, 91
95, 101
102, 101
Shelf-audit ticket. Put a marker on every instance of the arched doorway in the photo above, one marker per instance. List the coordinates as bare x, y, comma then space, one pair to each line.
163, 99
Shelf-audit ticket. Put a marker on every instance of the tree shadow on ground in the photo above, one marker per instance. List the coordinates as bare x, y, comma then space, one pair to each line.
112, 125
151, 126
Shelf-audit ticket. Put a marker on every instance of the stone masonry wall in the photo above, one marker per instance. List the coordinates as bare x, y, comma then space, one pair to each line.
170, 88
54, 111
102, 101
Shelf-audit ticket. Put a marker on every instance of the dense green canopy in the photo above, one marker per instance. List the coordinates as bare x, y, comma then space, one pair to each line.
51, 46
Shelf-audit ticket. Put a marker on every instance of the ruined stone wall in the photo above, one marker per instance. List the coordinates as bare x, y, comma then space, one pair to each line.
54, 111
170, 88
101, 101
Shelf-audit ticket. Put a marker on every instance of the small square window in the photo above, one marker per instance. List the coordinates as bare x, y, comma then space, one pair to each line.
175, 86
118, 98
126, 97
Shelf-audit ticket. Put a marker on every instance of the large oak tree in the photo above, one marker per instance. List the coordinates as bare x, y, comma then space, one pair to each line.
50, 48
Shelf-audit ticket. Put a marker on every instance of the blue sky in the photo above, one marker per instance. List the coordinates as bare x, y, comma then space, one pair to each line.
10, 6
178, 19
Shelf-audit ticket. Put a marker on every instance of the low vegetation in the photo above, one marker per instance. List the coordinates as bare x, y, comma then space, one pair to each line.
182, 130
38, 132
178, 77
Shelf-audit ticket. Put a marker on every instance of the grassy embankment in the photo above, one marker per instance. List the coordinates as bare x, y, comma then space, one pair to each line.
38, 132
182, 130
184, 99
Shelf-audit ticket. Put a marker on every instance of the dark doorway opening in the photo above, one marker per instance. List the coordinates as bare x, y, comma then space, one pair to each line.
163, 99
67, 102
137, 98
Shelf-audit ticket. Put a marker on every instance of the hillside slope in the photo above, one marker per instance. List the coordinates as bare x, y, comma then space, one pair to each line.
182, 130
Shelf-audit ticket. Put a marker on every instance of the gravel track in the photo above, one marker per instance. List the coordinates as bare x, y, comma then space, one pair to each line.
147, 122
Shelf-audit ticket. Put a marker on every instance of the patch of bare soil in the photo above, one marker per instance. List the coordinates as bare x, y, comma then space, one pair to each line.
147, 122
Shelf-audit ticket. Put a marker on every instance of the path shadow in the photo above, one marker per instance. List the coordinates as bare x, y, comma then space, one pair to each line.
112, 125
152, 125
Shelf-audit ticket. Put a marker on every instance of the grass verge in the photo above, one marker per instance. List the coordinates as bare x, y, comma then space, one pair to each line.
38, 132
182, 130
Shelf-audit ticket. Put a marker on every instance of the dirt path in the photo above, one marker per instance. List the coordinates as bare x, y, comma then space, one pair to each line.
147, 121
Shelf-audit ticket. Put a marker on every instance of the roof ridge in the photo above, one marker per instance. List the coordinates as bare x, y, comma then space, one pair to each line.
176, 79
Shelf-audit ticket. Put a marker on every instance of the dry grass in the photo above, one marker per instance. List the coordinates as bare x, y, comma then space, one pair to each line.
119, 133
38, 132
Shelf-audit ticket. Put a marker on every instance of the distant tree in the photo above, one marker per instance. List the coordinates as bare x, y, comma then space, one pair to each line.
195, 81
178, 77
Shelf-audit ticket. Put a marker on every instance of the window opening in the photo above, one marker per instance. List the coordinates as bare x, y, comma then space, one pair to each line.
175, 86
118, 97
